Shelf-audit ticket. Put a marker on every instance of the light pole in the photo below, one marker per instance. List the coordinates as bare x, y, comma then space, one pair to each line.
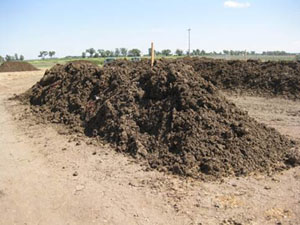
189, 31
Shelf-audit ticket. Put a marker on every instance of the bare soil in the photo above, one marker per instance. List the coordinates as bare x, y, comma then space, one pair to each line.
16, 66
50, 177
168, 116
251, 77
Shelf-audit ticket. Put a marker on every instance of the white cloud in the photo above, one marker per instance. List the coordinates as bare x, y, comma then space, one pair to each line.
235, 4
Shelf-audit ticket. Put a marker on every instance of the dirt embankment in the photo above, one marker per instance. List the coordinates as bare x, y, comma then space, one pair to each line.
168, 115
13, 66
251, 77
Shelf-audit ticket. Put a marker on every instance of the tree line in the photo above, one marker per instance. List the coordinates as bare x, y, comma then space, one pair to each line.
14, 57
123, 52
118, 52
276, 53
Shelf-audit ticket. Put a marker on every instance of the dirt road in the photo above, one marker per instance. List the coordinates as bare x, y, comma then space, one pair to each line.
50, 177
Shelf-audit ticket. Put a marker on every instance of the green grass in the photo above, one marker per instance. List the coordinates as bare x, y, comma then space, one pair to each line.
48, 63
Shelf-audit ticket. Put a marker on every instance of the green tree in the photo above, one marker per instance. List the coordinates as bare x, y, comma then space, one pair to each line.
196, 52
91, 51
157, 52
166, 52
21, 57
226, 52
109, 53
83, 55
51, 53
16, 57
9, 58
96, 55
1, 59
134, 52
43, 54
124, 52
179, 52
102, 52
117, 52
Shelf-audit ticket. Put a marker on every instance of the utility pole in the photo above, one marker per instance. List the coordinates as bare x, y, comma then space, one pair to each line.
152, 54
189, 51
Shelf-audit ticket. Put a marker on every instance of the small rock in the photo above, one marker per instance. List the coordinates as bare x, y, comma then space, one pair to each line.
276, 180
216, 206
75, 174
62, 132
89, 143
80, 187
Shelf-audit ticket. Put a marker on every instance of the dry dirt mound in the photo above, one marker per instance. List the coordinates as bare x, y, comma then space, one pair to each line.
168, 115
16, 67
253, 77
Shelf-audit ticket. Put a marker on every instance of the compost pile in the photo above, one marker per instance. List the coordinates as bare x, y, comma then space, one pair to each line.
83, 61
169, 116
251, 77
14, 66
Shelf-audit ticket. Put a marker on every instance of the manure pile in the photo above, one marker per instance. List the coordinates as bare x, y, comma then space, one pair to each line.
169, 115
84, 61
15, 66
251, 77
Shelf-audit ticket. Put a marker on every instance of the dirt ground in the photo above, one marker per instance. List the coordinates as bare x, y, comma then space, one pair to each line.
282, 114
49, 177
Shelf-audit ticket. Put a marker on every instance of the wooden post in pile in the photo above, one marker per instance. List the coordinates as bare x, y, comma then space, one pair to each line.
152, 54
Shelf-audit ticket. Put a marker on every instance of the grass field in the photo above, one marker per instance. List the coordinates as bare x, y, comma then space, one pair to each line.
47, 63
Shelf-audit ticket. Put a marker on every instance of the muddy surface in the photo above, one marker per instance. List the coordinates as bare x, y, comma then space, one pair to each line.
252, 77
16, 67
169, 116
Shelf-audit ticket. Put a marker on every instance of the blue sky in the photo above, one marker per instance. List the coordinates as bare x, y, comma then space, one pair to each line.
71, 26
